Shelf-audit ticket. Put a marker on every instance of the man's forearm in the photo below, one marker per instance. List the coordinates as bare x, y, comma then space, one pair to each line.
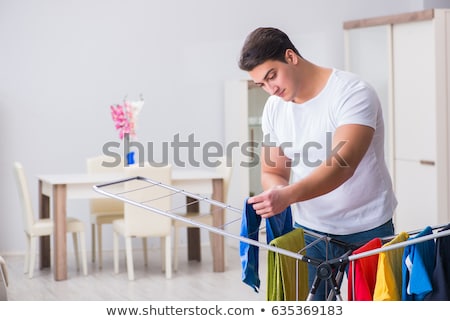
271, 180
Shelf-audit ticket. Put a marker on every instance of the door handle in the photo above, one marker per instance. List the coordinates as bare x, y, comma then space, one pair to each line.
427, 162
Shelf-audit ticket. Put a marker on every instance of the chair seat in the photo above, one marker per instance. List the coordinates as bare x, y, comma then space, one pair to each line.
45, 226
97, 220
105, 218
119, 226
103, 211
141, 223
35, 228
196, 217
206, 218
42, 227
74, 225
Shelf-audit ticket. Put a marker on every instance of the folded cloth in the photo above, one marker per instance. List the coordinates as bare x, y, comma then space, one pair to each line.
275, 226
287, 277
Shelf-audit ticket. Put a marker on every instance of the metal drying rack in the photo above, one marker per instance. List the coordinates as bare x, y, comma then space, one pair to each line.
117, 190
330, 271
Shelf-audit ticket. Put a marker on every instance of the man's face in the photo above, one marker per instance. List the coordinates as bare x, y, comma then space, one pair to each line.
276, 77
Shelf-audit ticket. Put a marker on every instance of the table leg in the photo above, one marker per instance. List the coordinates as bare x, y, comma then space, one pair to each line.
59, 239
193, 233
44, 241
218, 244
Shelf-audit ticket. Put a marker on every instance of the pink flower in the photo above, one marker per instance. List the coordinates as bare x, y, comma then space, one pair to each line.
125, 117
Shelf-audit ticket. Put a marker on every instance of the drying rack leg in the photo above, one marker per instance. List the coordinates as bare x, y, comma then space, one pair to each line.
332, 274
337, 282
314, 286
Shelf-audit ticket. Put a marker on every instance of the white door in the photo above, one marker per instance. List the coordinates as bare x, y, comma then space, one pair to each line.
415, 129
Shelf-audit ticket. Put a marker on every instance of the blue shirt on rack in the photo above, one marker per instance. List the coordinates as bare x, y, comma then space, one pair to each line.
417, 268
276, 226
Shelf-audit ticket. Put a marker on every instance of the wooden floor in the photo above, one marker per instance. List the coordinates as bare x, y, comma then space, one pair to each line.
194, 281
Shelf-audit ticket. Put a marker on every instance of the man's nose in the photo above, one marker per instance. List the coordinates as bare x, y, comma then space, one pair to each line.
273, 89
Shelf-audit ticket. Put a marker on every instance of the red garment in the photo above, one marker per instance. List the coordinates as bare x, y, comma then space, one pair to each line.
365, 273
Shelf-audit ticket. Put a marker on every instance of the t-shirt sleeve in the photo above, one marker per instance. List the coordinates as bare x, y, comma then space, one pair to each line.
359, 105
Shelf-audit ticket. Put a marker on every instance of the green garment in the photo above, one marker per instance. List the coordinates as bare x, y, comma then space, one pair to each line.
281, 274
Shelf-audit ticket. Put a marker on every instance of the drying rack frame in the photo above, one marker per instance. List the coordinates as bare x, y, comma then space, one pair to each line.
100, 189
330, 270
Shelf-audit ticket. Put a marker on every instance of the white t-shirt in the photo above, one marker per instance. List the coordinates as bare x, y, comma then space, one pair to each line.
305, 131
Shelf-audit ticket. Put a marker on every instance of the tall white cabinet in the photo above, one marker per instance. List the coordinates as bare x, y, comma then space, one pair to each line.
406, 57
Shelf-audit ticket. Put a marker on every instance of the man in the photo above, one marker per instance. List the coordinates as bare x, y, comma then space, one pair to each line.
326, 126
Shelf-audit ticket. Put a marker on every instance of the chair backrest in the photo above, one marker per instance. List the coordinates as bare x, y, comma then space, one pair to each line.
226, 172
96, 165
140, 221
25, 198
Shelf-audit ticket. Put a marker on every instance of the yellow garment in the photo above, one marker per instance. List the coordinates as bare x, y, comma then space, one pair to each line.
388, 286
281, 274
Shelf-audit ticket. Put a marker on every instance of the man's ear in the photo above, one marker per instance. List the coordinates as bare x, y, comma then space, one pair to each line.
290, 56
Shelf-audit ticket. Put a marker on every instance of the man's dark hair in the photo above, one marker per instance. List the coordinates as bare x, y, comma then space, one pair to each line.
264, 44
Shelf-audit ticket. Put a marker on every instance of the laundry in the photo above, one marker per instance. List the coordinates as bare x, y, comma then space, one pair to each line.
250, 225
365, 273
287, 278
388, 284
418, 265
441, 274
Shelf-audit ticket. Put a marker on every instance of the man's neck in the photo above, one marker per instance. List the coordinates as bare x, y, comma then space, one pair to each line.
313, 80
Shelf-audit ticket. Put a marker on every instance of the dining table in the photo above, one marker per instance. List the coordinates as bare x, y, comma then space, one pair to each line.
56, 189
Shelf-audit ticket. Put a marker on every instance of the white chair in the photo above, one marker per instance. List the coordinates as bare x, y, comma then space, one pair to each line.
35, 228
205, 218
3, 280
141, 223
102, 211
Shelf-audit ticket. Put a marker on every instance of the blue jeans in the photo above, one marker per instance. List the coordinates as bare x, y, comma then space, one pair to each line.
322, 252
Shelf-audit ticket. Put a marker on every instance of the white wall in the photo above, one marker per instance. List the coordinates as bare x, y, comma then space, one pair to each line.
63, 63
